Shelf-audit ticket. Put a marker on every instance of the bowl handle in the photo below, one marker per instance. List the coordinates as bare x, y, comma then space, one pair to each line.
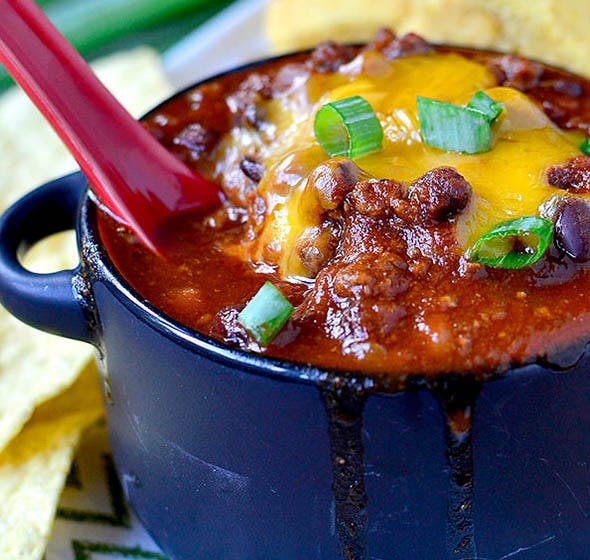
48, 302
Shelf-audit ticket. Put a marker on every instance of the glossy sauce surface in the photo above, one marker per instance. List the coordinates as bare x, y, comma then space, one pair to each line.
398, 295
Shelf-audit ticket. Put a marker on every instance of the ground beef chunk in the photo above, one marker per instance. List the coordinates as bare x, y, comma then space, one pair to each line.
407, 45
574, 176
252, 168
197, 140
226, 327
392, 239
244, 104
383, 38
333, 180
572, 234
289, 77
329, 56
377, 198
565, 101
514, 71
435, 197
330, 182
317, 246
382, 277
441, 193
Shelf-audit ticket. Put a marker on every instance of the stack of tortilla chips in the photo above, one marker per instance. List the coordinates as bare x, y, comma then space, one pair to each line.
49, 387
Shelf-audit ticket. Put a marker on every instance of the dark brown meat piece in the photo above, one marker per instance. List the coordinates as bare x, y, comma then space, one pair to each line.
252, 169
317, 246
370, 276
572, 228
514, 71
245, 102
197, 140
407, 45
329, 56
574, 176
377, 198
226, 327
383, 38
391, 241
435, 197
333, 180
441, 193
289, 76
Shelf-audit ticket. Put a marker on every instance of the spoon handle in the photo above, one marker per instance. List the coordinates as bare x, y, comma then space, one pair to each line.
129, 170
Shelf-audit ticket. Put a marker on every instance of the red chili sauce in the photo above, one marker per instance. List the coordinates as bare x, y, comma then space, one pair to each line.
388, 288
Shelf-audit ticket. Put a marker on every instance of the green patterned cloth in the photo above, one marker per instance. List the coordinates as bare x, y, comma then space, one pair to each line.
94, 521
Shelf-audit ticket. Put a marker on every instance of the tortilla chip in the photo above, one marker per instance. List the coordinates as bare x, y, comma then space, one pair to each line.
33, 468
550, 30
35, 366
30, 151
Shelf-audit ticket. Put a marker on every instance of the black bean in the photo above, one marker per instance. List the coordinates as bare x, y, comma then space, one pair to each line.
574, 176
252, 169
572, 228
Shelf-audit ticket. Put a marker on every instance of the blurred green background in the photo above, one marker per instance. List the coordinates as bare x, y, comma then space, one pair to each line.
98, 27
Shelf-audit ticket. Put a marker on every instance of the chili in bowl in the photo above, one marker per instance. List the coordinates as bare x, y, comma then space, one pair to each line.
397, 217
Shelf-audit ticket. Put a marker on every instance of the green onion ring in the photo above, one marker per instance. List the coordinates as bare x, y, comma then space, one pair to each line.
348, 127
513, 244
265, 314
585, 147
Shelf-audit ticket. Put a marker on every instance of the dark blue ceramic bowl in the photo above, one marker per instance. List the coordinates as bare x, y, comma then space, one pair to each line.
226, 455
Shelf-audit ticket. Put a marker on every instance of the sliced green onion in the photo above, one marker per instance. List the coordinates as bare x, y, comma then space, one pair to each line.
483, 103
452, 127
514, 244
348, 127
266, 314
585, 147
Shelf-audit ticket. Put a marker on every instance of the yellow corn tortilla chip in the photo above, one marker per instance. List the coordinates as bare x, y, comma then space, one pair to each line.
549, 30
35, 366
33, 468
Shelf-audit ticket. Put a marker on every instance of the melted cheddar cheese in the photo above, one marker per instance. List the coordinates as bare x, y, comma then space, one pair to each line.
508, 181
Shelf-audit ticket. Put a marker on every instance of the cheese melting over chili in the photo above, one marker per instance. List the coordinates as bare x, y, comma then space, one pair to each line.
508, 181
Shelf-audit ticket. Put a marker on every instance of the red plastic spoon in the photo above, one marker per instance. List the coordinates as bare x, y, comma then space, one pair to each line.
129, 170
